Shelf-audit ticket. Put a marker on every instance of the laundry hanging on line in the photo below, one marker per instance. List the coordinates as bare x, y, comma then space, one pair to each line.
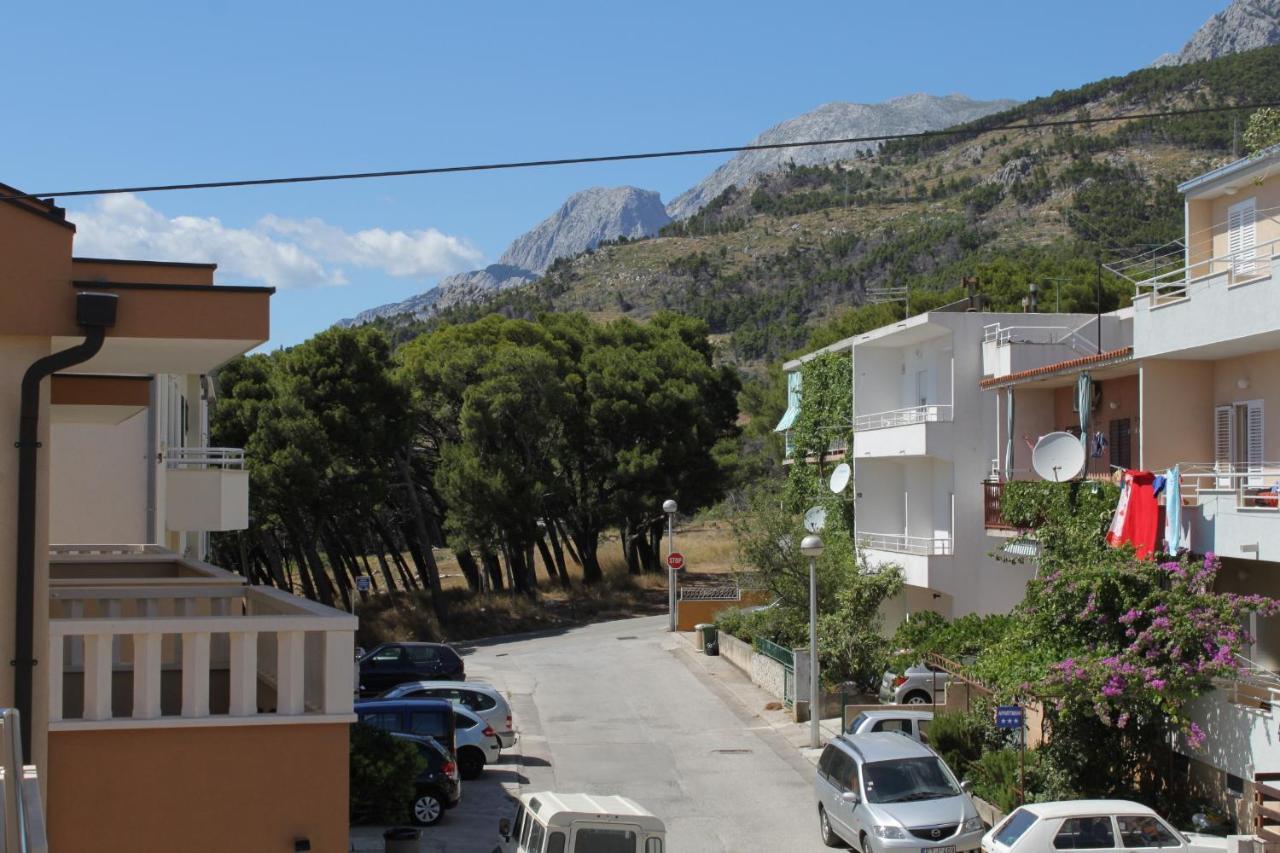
1138, 519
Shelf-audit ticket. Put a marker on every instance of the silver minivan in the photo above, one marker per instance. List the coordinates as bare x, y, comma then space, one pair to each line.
884, 792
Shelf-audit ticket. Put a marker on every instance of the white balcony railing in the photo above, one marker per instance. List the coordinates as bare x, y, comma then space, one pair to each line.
903, 417
834, 446
1165, 273
205, 457
195, 654
900, 543
1255, 485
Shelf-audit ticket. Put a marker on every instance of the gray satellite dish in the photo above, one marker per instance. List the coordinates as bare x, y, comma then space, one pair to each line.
815, 518
840, 477
1058, 456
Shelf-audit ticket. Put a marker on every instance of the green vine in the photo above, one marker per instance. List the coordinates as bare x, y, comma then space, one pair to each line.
1069, 519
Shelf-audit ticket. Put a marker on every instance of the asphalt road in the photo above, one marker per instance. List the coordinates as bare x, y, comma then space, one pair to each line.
612, 708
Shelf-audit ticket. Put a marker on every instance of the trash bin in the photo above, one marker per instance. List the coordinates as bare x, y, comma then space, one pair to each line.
402, 839
700, 635
710, 637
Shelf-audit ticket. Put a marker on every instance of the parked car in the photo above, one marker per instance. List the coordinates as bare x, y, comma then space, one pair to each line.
480, 698
913, 724
581, 823
921, 684
395, 663
1093, 825
467, 736
438, 788
884, 792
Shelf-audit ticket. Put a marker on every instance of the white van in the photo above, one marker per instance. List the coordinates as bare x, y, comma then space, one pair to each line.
581, 823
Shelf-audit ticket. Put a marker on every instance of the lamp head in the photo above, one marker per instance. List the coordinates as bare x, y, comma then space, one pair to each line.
669, 506
811, 546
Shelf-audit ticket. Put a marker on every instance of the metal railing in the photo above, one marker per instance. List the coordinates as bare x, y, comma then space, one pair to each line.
22, 828
205, 457
903, 417
1165, 273
781, 654
115, 550
710, 593
1256, 486
992, 514
927, 546
837, 445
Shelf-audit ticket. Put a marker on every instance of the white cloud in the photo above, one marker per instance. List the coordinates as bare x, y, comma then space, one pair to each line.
276, 251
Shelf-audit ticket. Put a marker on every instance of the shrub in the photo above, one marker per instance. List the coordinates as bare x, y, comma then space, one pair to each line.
961, 739
384, 770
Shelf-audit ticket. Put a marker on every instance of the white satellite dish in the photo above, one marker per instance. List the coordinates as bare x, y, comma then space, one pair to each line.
1058, 456
840, 477
815, 518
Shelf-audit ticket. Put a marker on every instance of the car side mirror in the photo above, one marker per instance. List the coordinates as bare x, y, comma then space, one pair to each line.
966, 786
504, 828
851, 797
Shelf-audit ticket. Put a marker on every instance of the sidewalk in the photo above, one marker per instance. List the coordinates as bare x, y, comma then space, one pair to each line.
755, 700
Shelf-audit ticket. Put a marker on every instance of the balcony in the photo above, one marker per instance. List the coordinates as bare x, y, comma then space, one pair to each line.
1014, 349
206, 488
1233, 510
141, 638
913, 431
992, 514
837, 448
900, 543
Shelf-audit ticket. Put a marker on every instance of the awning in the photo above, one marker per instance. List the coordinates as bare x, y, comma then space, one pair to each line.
793, 402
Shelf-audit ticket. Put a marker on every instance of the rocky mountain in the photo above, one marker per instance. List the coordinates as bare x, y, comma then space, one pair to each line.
1244, 25
585, 220
908, 114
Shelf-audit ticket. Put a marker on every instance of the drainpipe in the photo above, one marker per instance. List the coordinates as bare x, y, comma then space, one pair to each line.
96, 312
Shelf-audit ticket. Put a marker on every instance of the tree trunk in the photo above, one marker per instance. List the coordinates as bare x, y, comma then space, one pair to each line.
338, 566
470, 571
419, 524
588, 542
646, 556
493, 568
559, 554
548, 562
315, 584
386, 570
568, 541
389, 542
630, 547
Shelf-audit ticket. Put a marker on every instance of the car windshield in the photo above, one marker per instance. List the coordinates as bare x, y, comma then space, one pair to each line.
1013, 828
857, 721
907, 780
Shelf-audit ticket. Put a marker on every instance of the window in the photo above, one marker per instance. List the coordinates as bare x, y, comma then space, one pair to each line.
525, 829
900, 726
857, 721
478, 701
1121, 455
1145, 831
1238, 430
1085, 833
653, 845
1241, 235
828, 758
555, 842
842, 770
423, 654
466, 721
536, 837
922, 726
388, 720
590, 839
1013, 828
905, 779
432, 723
387, 655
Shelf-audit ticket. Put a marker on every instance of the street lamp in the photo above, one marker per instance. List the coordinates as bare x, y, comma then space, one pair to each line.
669, 507
811, 547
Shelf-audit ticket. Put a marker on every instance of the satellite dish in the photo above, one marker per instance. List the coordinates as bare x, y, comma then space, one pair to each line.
1058, 456
840, 477
815, 518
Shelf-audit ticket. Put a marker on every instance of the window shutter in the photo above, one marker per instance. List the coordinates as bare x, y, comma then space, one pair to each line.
1242, 235
1254, 431
1223, 440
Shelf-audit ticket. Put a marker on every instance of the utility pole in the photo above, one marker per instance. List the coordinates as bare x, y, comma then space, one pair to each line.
1098, 297
811, 546
669, 507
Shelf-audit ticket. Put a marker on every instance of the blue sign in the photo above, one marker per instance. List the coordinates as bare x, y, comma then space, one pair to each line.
362, 583
1009, 716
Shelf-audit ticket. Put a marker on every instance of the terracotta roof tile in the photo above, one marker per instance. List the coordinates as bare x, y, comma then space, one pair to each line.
1059, 367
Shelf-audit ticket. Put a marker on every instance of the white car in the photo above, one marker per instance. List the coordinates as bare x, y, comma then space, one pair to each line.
474, 738
478, 698
913, 724
1091, 824
921, 684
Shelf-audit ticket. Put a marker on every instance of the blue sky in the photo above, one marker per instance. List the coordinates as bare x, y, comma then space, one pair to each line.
133, 93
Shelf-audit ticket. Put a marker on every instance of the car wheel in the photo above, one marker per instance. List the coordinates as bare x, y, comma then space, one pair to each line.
470, 762
864, 846
829, 837
918, 697
427, 809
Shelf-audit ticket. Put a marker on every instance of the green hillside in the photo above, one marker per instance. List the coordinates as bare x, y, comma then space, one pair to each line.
781, 262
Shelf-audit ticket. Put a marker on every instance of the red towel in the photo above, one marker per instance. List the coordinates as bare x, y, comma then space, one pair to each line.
1137, 518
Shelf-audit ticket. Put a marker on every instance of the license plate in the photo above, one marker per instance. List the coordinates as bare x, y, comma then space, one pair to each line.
950, 848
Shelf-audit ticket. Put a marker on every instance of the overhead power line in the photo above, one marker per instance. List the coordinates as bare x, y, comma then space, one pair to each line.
617, 158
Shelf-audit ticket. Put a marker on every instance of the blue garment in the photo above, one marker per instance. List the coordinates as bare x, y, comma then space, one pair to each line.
1174, 538
1157, 485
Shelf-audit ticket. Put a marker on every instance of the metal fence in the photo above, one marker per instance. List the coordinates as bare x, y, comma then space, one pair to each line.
787, 658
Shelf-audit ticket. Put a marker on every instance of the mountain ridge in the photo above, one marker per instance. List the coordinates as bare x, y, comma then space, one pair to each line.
1244, 25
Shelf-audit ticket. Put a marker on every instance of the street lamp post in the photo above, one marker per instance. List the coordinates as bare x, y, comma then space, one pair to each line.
669, 507
811, 546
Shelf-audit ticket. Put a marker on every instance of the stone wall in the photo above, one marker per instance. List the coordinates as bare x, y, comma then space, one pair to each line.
768, 674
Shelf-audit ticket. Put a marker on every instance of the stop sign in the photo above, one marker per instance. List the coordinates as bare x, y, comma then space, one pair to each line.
675, 561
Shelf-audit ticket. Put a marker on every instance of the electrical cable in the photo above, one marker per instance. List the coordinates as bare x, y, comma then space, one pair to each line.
616, 158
